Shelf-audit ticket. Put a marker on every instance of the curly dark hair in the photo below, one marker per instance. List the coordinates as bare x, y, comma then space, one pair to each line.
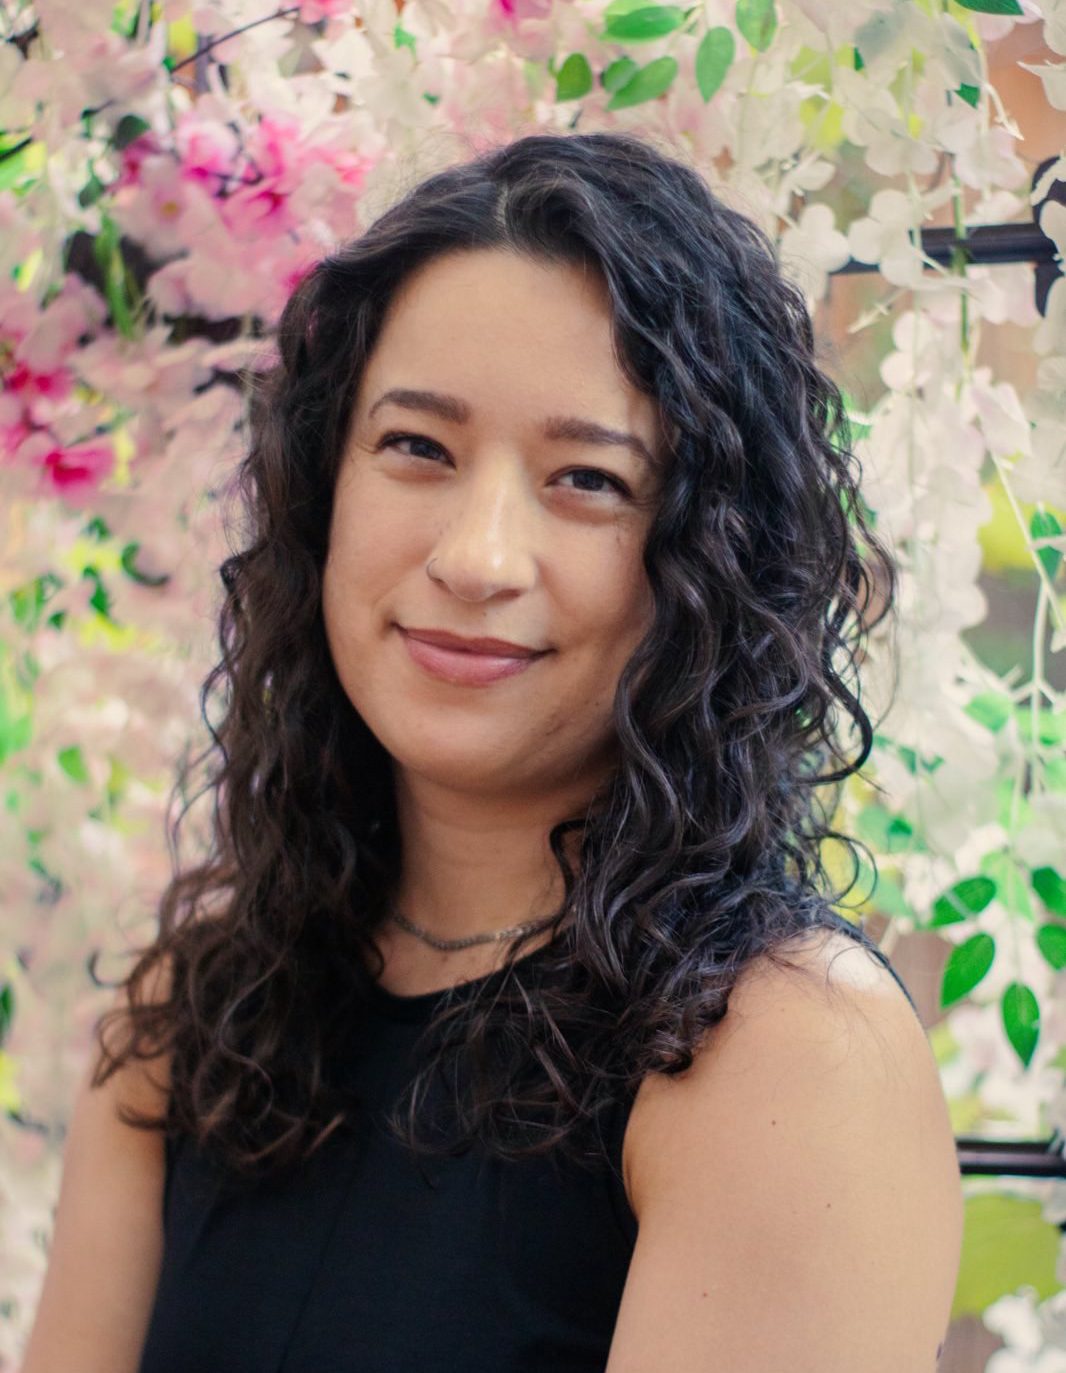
703, 849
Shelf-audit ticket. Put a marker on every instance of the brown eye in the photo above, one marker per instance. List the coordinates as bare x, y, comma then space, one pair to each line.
393, 440
594, 481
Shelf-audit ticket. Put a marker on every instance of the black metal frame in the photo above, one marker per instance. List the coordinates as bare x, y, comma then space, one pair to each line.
987, 243
1022, 1158
999, 244
992, 244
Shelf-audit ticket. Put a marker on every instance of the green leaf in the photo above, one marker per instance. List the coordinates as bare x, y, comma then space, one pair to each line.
130, 127
72, 762
1050, 724
15, 722
128, 558
991, 6
13, 165
402, 39
574, 78
91, 192
964, 899
108, 254
971, 94
649, 82
884, 893
713, 59
620, 7
617, 74
7, 1009
757, 22
990, 709
27, 601
1007, 1245
644, 24
967, 964
900, 836
1012, 880
871, 825
117, 781
1021, 1020
1051, 889
1051, 941
858, 63
100, 600
1044, 525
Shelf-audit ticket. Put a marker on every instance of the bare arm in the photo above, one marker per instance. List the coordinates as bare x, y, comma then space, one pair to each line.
107, 1241
798, 1191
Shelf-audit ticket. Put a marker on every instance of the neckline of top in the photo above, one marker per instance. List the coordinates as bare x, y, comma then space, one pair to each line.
422, 1005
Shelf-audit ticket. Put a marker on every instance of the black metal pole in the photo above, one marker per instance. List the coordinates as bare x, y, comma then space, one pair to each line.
993, 244
1016, 1158
988, 243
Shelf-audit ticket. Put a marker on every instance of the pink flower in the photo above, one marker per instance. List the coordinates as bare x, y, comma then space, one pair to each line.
272, 143
261, 204
523, 9
162, 211
13, 433
56, 385
78, 468
133, 157
254, 210
311, 11
208, 150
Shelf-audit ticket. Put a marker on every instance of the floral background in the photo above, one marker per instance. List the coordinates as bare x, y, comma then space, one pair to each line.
169, 170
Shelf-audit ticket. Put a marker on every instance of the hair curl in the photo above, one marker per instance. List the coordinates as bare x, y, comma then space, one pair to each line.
704, 848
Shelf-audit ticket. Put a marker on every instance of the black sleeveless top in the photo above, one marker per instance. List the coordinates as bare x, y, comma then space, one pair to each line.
368, 1259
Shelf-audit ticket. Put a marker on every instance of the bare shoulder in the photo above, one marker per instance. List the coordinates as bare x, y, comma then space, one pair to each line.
777, 1014
107, 1243
830, 961
804, 1165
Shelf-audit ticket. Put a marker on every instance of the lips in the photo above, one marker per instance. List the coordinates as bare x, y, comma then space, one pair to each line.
467, 662
501, 648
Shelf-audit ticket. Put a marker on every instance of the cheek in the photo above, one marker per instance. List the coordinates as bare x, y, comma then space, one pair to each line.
631, 602
613, 600
370, 546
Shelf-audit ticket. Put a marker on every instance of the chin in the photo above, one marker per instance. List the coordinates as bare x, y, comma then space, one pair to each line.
469, 770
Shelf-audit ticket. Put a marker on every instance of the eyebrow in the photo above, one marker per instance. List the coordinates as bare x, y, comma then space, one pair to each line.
555, 427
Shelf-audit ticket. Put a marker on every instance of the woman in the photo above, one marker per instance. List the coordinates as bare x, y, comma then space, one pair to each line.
509, 1026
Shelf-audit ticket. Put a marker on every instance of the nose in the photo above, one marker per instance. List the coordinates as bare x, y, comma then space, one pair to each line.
486, 547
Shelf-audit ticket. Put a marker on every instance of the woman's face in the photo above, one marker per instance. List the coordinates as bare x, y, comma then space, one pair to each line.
481, 496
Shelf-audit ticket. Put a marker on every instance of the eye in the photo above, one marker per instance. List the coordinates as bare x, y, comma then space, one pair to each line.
594, 481
392, 440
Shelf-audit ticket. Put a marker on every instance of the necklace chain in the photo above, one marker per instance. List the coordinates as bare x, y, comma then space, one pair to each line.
493, 938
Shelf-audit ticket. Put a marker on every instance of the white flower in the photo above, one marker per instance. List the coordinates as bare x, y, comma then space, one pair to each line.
873, 120
1003, 422
1013, 1318
991, 161
1041, 474
882, 237
1053, 75
813, 248
1053, 223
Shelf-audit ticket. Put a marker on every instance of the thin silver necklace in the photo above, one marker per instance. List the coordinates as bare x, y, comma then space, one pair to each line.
494, 938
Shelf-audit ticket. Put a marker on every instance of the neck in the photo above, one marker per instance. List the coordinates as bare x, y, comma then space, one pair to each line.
472, 863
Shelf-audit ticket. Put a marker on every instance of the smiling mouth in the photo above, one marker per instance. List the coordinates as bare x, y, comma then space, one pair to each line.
467, 662
442, 638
